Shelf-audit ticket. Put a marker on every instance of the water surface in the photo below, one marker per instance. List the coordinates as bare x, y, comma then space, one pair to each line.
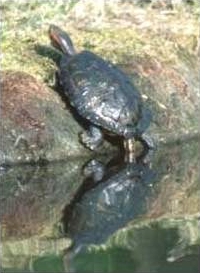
116, 217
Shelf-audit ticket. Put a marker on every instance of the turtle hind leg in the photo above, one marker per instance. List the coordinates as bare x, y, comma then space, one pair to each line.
130, 151
137, 148
92, 138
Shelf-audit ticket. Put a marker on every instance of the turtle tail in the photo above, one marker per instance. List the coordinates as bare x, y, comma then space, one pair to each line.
61, 40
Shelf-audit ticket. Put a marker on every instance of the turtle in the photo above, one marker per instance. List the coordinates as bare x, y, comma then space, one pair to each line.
102, 94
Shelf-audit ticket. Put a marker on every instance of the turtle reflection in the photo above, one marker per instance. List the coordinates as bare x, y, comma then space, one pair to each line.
109, 198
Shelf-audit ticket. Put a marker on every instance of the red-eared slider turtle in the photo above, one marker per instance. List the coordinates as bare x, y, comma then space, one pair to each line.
101, 93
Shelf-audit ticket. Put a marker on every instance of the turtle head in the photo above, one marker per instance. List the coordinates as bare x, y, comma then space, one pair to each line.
61, 40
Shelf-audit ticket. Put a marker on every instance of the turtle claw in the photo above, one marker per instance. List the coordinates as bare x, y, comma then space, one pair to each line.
92, 138
87, 141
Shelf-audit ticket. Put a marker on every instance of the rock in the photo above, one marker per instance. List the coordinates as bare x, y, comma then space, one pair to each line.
172, 93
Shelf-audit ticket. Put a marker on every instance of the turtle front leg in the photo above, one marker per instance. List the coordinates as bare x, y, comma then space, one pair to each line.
92, 138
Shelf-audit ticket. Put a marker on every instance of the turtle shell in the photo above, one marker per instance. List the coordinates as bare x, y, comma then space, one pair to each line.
103, 94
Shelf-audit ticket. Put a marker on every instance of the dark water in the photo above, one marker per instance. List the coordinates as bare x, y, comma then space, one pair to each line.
103, 215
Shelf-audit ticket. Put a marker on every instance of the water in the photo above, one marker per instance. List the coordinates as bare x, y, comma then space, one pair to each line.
102, 215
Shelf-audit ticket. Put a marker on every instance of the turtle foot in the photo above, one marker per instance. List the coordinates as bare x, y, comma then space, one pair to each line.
92, 138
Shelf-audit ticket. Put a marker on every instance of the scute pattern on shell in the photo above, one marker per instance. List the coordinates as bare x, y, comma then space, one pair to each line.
102, 94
